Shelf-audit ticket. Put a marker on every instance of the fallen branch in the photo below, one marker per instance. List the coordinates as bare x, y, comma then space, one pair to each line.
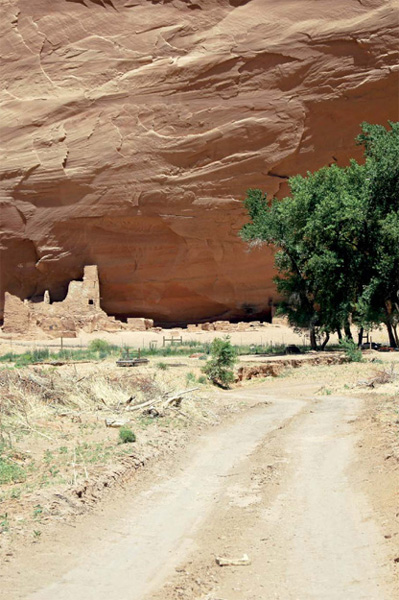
144, 404
167, 402
178, 411
116, 422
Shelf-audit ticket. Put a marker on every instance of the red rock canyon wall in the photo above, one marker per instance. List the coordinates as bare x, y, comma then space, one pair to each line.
131, 129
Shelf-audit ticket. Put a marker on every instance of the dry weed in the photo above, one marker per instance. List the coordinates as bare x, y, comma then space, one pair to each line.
381, 376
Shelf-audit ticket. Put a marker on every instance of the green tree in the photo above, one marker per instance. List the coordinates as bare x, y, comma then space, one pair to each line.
379, 244
219, 367
337, 240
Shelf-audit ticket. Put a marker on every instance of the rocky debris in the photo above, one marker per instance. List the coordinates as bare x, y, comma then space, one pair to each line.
116, 423
226, 326
139, 324
131, 362
233, 562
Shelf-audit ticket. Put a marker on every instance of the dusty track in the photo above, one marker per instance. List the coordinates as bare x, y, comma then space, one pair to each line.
274, 483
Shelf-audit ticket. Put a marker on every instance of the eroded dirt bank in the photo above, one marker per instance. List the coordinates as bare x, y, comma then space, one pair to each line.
276, 483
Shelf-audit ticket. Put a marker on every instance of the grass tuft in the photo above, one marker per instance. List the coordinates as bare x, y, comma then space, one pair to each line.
126, 435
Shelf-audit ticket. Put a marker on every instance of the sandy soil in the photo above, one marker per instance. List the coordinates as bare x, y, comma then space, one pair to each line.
291, 480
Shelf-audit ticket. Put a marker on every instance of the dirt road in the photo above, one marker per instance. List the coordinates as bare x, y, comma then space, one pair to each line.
274, 483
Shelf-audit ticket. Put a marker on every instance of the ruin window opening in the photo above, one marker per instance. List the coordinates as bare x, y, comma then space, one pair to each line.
91, 302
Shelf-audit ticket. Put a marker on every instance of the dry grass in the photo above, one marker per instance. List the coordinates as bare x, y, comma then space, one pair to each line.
54, 442
382, 376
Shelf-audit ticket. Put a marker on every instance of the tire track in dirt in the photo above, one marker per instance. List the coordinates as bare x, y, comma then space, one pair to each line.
293, 508
159, 527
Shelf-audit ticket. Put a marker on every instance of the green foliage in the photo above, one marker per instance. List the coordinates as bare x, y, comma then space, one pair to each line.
162, 366
190, 377
353, 353
38, 511
126, 435
223, 358
4, 523
201, 379
8, 357
100, 346
185, 350
10, 472
337, 240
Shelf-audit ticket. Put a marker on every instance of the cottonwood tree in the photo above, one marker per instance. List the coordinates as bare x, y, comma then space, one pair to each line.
337, 241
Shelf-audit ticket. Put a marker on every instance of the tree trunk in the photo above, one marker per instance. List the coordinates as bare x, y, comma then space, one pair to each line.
396, 336
325, 341
347, 330
360, 337
392, 341
313, 341
339, 333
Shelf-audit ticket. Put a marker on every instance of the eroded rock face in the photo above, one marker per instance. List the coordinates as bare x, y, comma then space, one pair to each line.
131, 129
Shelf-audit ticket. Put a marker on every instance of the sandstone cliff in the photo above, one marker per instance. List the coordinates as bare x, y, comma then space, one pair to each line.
130, 130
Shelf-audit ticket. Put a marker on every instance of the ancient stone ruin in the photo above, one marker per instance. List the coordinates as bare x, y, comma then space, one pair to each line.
79, 311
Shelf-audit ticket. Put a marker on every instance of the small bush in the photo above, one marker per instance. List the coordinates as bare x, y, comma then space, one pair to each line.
219, 367
8, 357
190, 377
10, 473
100, 346
23, 360
126, 435
40, 355
162, 366
353, 353
201, 379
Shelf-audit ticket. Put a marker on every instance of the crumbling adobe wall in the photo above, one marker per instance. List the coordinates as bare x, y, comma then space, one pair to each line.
16, 315
81, 310
83, 296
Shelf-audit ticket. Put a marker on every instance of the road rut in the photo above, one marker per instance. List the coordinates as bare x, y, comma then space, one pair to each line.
160, 525
312, 538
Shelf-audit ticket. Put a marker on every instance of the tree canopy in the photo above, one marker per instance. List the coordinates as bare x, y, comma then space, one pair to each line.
337, 240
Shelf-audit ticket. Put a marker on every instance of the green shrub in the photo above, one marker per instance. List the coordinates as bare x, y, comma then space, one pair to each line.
126, 435
39, 355
10, 472
22, 360
100, 346
223, 358
162, 366
353, 353
190, 377
201, 379
8, 357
